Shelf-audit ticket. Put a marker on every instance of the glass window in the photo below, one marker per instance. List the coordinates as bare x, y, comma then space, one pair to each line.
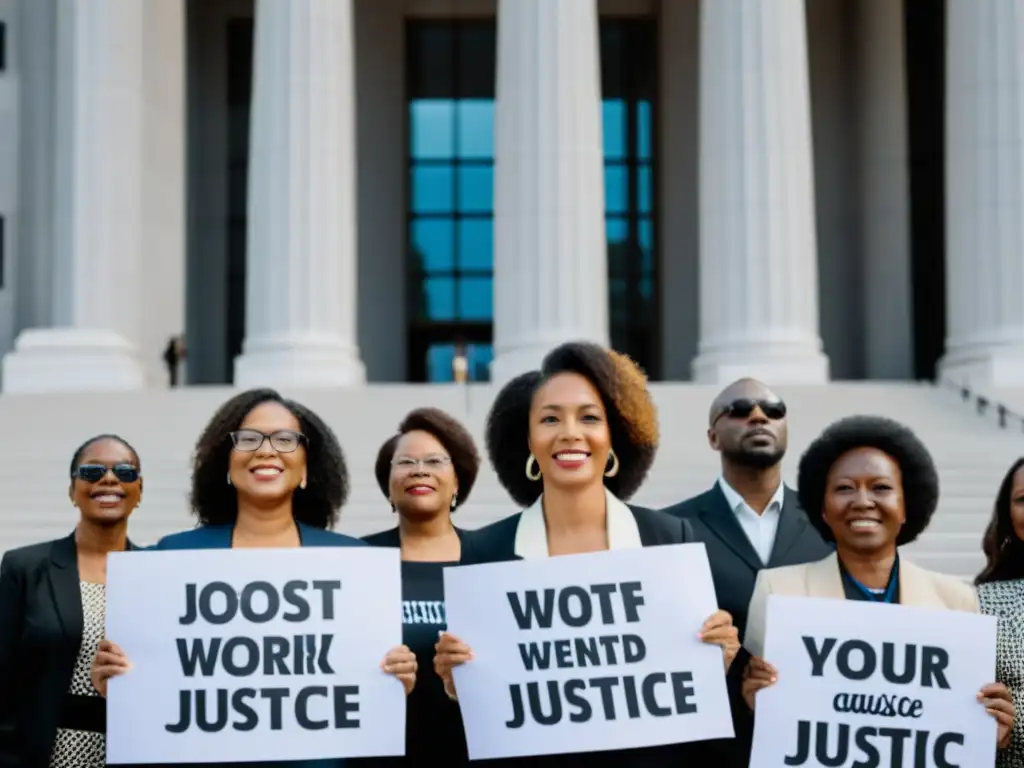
431, 242
613, 128
476, 244
616, 189
476, 189
432, 188
439, 298
451, 199
476, 298
433, 129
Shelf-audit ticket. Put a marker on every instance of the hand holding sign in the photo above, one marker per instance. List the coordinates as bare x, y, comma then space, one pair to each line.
719, 630
109, 662
401, 662
999, 703
450, 652
758, 674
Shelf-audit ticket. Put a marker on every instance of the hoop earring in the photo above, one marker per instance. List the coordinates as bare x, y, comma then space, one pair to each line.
229, 478
530, 475
455, 503
615, 464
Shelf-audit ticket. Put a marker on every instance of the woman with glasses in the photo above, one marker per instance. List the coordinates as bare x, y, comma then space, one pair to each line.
268, 472
426, 471
52, 616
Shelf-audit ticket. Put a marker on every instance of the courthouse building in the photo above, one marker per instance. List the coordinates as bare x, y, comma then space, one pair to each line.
338, 191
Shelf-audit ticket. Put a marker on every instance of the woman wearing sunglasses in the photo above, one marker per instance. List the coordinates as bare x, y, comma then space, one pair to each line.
268, 472
53, 607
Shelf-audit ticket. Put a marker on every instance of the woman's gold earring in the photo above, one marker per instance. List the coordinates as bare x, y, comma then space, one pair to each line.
530, 474
302, 485
614, 470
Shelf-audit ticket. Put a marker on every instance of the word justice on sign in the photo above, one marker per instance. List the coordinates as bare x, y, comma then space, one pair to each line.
873, 746
658, 694
314, 707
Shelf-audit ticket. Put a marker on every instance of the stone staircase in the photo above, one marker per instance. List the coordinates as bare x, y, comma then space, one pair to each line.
40, 433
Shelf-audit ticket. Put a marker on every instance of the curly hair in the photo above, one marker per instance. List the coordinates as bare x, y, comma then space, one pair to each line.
1004, 551
76, 457
450, 433
215, 502
632, 418
920, 478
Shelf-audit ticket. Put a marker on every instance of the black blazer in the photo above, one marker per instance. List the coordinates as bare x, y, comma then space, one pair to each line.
734, 567
734, 561
40, 636
496, 543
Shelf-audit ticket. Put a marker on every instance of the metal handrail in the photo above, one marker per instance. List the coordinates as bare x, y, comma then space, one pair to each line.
982, 404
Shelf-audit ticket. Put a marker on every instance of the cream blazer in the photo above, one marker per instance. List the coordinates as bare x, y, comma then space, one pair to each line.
920, 587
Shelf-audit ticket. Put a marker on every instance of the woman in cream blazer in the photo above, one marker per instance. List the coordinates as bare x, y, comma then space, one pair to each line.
869, 485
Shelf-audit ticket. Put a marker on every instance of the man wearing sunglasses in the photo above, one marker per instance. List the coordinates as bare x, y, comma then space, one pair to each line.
748, 519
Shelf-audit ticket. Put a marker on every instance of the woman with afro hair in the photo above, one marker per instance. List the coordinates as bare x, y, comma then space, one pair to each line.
570, 443
870, 486
267, 472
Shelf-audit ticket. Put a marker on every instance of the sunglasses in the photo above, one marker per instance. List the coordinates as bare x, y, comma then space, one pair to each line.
741, 408
93, 473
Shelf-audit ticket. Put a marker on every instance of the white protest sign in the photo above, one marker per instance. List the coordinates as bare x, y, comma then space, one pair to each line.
583, 653
872, 684
254, 655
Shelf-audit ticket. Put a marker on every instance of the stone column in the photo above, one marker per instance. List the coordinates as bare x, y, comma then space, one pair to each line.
97, 222
758, 246
301, 275
984, 194
550, 249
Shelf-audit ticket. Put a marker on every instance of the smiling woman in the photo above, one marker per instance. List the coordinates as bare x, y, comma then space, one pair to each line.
571, 442
268, 472
53, 604
869, 485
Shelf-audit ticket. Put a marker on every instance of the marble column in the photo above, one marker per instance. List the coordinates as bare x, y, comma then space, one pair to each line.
758, 246
984, 194
301, 274
97, 221
550, 249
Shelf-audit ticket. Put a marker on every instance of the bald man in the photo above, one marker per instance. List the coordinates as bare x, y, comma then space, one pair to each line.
749, 519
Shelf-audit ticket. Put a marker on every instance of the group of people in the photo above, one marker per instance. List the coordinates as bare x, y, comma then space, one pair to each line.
571, 443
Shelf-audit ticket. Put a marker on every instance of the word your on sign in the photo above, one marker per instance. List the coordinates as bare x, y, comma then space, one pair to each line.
566, 664
875, 686
254, 655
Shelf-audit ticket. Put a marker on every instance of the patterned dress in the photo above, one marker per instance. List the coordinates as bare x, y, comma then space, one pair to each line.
1005, 600
84, 749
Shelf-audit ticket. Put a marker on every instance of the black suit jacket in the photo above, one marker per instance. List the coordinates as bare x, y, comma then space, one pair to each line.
41, 625
734, 567
496, 543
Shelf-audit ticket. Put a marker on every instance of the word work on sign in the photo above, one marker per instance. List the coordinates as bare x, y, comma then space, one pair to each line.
217, 603
254, 655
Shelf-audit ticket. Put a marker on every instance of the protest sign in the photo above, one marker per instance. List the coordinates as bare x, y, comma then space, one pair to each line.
585, 653
254, 655
874, 685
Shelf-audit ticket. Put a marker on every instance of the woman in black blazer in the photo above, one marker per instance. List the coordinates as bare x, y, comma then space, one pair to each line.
426, 471
569, 442
53, 609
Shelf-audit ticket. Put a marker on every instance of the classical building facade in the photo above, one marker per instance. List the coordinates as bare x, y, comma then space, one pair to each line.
327, 192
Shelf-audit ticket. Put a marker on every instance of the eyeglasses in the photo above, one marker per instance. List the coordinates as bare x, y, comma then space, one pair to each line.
93, 473
741, 408
432, 463
282, 441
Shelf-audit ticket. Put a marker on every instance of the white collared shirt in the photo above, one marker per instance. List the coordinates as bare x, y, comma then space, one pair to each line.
532, 533
760, 529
